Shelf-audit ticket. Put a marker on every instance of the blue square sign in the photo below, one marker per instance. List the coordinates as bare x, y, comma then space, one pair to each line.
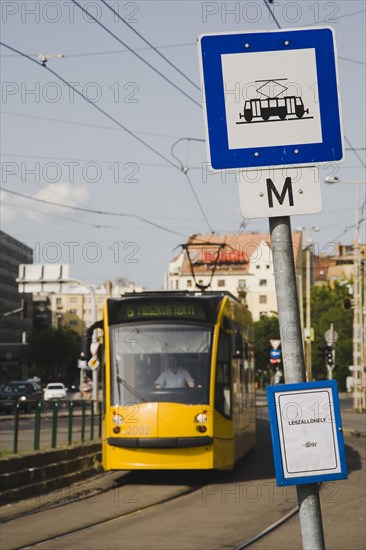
271, 98
306, 430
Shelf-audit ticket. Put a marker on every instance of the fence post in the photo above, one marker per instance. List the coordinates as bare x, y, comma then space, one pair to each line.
83, 421
54, 424
16, 428
70, 421
37, 425
91, 420
99, 418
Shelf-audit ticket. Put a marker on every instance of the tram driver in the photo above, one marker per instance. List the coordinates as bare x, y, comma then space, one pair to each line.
175, 376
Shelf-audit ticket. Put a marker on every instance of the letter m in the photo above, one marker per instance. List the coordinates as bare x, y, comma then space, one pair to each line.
271, 189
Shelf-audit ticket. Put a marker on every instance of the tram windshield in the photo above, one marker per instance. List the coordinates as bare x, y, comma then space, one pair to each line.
160, 362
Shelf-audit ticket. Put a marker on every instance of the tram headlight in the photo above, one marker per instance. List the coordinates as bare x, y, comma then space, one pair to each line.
201, 418
117, 419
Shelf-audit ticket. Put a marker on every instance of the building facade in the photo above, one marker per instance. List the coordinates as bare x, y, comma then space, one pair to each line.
15, 309
75, 307
240, 263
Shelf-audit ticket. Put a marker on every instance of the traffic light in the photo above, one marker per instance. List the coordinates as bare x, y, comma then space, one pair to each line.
329, 355
347, 304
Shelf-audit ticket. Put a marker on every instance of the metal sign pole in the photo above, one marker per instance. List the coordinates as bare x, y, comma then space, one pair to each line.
294, 364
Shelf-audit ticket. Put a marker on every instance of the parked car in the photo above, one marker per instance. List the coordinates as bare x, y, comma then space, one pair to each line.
26, 392
54, 390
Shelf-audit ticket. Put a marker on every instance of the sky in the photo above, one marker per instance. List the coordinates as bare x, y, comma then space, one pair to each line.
130, 163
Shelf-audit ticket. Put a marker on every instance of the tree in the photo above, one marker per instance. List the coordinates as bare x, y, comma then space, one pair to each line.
53, 354
326, 308
266, 329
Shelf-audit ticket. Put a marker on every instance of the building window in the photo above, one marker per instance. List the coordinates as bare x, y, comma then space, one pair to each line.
177, 284
263, 299
73, 311
262, 282
189, 283
268, 267
262, 314
257, 266
221, 282
73, 323
59, 302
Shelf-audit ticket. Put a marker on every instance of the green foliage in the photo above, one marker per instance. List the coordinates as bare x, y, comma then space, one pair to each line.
266, 329
327, 308
53, 354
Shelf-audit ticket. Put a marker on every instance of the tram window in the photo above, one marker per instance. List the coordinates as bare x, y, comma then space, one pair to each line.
139, 355
223, 376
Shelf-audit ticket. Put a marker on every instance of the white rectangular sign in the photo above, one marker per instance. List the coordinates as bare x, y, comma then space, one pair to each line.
267, 192
307, 433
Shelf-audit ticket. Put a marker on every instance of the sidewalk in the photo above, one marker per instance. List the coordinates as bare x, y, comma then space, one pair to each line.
353, 423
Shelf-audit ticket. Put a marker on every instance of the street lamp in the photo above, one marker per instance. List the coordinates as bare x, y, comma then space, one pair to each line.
358, 340
308, 281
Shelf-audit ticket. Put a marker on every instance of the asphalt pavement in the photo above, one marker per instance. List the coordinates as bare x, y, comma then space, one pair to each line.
343, 503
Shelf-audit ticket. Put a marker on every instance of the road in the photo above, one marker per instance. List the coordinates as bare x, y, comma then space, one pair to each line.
219, 510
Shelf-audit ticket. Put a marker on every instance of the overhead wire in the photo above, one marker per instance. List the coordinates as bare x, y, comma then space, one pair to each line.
73, 159
87, 124
184, 170
130, 132
96, 226
91, 211
151, 45
136, 54
109, 117
110, 52
279, 26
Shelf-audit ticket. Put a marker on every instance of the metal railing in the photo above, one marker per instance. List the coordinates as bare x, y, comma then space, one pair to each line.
49, 424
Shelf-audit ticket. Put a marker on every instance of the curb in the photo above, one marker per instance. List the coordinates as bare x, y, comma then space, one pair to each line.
347, 432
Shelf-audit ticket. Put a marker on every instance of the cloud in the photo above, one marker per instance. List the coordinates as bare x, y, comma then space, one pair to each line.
14, 207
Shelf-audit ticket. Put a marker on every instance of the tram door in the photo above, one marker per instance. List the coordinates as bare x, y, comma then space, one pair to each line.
290, 105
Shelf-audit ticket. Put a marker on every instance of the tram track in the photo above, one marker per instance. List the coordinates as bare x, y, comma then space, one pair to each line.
95, 524
268, 530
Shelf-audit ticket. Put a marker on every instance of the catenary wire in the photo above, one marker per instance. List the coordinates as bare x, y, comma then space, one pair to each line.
43, 188
43, 213
73, 159
358, 156
109, 117
137, 55
91, 211
151, 45
76, 123
185, 170
110, 52
91, 103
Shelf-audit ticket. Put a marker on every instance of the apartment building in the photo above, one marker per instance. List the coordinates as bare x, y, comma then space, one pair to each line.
240, 263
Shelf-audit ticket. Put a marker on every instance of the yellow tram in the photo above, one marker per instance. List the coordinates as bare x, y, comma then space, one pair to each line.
178, 381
